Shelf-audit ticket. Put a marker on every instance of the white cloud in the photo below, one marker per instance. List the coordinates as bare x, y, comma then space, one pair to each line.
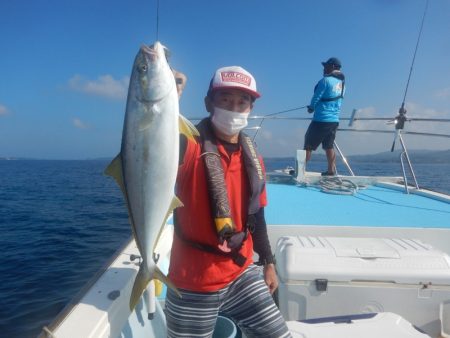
79, 124
443, 93
104, 85
3, 110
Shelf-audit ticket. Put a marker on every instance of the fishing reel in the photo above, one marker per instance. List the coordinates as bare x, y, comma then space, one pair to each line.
399, 122
400, 119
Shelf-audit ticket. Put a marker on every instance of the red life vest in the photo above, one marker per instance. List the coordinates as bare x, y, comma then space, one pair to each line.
191, 267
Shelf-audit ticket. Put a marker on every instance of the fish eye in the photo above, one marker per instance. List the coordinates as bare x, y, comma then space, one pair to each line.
143, 68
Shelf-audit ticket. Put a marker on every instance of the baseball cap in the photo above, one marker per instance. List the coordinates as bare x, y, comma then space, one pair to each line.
234, 77
332, 61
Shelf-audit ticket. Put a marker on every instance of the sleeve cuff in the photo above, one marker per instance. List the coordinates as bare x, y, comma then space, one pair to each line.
267, 260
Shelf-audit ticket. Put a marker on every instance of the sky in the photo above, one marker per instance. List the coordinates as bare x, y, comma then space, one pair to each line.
65, 67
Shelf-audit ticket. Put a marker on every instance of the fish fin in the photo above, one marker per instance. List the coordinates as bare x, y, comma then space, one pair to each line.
187, 128
175, 204
140, 283
163, 278
114, 169
158, 287
146, 122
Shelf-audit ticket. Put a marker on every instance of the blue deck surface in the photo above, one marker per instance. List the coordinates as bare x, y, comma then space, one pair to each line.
374, 206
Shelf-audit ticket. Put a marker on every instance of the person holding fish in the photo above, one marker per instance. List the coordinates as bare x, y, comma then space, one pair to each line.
326, 106
221, 183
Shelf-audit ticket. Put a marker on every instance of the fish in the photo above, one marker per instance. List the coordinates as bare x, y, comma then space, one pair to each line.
146, 167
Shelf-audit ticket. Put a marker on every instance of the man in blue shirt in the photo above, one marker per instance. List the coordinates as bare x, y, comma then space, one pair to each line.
326, 106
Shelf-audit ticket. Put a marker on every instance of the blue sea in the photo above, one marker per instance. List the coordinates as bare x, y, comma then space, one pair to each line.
60, 221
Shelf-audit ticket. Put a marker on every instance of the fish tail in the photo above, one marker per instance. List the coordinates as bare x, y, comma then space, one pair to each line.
141, 281
163, 278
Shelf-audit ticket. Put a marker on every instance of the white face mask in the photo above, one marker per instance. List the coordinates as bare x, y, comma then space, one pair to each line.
229, 122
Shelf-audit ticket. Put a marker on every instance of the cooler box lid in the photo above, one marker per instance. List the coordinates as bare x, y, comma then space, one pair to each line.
344, 259
385, 324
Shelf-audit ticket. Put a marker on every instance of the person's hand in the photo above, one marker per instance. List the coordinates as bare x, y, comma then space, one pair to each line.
310, 109
270, 277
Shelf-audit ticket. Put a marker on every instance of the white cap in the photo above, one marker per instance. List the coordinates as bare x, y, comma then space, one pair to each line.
234, 77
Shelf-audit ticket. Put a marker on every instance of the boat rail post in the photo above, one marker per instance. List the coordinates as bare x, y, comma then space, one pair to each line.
150, 299
344, 160
405, 153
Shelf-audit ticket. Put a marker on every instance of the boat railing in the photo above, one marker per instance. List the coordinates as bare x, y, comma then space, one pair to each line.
398, 132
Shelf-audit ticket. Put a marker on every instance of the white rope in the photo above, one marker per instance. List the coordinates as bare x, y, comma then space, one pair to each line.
338, 186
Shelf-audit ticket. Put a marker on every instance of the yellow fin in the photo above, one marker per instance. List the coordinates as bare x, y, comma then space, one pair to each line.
114, 169
187, 128
163, 278
175, 204
140, 283
158, 287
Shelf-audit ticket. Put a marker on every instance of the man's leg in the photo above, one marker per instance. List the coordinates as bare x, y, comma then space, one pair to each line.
193, 315
331, 158
311, 141
308, 156
328, 146
249, 303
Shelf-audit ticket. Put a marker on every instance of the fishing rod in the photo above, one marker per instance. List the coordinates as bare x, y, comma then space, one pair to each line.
400, 119
273, 114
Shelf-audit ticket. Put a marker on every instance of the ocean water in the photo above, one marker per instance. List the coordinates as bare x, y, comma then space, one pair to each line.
60, 221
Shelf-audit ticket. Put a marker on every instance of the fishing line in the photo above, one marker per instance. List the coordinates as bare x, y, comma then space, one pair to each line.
272, 114
157, 20
400, 119
415, 52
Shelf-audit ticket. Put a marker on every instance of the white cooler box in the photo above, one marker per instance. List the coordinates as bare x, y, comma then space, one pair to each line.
381, 325
334, 276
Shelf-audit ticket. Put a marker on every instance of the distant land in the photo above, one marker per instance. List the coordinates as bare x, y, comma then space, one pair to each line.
416, 156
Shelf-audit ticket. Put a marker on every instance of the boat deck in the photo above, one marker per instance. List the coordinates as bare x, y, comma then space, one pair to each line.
375, 206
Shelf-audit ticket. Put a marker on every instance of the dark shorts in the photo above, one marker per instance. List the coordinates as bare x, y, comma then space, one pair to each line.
320, 132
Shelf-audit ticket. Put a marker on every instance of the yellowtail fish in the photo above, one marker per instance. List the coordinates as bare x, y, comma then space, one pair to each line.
146, 167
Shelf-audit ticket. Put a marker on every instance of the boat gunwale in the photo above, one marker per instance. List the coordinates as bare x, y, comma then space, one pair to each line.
75, 300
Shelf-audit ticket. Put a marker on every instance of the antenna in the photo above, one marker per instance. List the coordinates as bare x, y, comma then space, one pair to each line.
400, 119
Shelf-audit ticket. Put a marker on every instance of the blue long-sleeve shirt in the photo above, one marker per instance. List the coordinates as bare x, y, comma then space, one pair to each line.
330, 86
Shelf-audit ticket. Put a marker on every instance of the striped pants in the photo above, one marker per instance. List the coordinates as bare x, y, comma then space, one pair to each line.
246, 300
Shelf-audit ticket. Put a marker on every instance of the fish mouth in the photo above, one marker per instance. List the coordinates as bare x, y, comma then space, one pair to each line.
147, 101
149, 52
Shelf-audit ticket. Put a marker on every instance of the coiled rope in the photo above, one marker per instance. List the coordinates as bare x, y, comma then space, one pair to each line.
338, 186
